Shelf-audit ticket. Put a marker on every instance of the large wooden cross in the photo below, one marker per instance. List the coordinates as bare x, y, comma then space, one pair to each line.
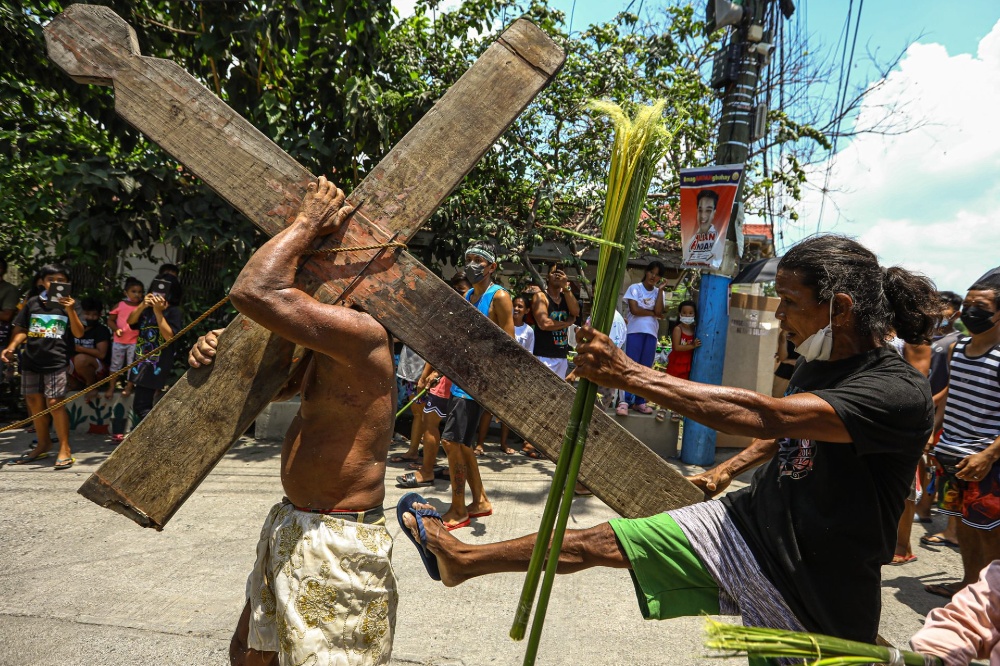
164, 459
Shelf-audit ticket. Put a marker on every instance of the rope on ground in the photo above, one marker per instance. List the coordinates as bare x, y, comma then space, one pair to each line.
183, 331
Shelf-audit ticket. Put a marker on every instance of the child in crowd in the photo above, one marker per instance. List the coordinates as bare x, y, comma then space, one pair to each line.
46, 328
644, 301
89, 362
525, 336
683, 343
157, 319
123, 345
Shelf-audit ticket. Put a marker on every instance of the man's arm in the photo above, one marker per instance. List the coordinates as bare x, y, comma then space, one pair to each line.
204, 349
19, 336
265, 290
540, 308
714, 481
730, 410
502, 312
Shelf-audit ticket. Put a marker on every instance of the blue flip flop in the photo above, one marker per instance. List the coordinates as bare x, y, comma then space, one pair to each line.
405, 506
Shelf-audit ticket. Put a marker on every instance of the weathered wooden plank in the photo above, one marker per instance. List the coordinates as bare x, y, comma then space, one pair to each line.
150, 475
455, 338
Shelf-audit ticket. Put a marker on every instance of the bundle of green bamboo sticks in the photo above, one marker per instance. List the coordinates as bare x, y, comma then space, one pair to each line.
811, 649
640, 143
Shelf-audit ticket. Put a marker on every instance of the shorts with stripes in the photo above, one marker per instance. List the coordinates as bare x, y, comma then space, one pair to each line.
977, 503
435, 404
693, 561
52, 384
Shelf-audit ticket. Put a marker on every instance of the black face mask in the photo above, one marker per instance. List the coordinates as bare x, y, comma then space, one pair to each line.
977, 320
475, 272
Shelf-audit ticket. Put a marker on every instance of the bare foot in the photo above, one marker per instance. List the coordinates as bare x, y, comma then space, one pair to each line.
453, 518
479, 509
479, 451
109, 393
440, 542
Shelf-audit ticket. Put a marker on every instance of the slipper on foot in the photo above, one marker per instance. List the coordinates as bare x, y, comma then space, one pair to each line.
65, 463
402, 459
937, 540
481, 514
405, 506
533, 454
26, 458
442, 473
902, 559
463, 523
409, 480
945, 590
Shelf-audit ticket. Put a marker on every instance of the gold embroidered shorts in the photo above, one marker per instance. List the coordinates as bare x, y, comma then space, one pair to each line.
322, 590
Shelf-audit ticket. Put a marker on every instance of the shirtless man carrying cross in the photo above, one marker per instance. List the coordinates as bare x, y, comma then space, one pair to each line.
323, 584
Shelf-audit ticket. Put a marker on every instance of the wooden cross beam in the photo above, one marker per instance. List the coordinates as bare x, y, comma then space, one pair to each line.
164, 459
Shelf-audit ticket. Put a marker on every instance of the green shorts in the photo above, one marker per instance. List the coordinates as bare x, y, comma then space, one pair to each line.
670, 580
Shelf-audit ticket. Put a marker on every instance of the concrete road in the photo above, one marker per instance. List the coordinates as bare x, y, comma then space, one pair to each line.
83, 585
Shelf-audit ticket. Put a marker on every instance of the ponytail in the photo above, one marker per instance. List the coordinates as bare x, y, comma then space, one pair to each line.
912, 300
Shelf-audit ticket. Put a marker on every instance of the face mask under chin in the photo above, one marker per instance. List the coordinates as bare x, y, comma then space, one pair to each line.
819, 345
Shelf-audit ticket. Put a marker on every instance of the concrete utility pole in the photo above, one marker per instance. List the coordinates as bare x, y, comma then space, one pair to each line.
698, 447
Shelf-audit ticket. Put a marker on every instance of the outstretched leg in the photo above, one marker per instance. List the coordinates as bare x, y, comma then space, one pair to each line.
458, 561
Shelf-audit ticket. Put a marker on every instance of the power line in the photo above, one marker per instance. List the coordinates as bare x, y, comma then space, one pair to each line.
841, 102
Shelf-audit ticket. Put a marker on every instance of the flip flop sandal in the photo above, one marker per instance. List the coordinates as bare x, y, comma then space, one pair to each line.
442, 473
936, 540
902, 559
402, 459
405, 506
942, 589
409, 480
26, 458
65, 463
481, 514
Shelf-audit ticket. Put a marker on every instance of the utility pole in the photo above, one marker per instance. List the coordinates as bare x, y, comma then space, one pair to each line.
746, 46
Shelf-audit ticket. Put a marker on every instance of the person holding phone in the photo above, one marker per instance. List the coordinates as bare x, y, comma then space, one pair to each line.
157, 319
46, 327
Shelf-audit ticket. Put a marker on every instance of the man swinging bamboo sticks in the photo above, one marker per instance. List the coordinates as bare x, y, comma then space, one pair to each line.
802, 546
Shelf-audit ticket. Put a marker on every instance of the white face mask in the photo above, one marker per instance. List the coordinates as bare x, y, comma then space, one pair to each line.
687, 320
819, 345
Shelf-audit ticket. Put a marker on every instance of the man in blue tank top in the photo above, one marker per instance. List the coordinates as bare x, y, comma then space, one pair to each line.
461, 428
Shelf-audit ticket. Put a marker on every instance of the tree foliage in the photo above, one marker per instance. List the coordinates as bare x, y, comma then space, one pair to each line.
335, 84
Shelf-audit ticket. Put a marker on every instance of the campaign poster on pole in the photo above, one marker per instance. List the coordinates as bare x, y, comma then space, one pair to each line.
707, 197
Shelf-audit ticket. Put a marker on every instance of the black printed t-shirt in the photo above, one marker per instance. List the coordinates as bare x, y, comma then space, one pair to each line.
92, 336
154, 370
821, 517
50, 341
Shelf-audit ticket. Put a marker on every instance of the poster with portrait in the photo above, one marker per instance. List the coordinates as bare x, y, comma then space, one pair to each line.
707, 196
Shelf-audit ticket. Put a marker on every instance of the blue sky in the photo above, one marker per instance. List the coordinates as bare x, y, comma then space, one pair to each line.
929, 199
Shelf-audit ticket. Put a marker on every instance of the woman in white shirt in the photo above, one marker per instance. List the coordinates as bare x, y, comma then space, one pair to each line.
645, 309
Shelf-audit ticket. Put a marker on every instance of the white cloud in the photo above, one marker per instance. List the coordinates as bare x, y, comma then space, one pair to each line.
928, 199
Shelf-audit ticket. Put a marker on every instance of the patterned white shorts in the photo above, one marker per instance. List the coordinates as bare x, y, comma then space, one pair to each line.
322, 591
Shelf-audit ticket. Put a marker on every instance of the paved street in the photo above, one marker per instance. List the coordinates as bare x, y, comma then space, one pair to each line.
83, 585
